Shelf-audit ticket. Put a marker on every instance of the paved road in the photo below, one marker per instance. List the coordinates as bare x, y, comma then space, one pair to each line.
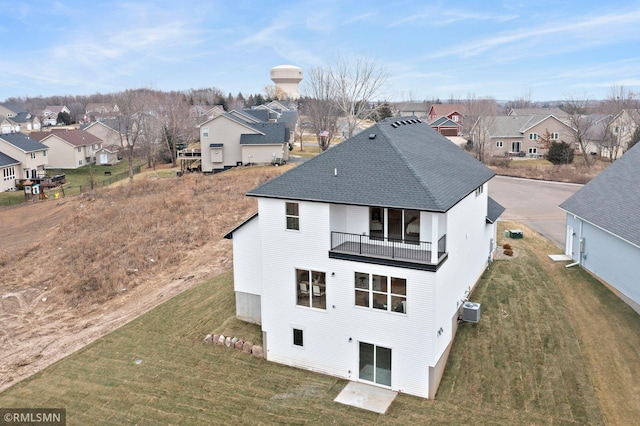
534, 203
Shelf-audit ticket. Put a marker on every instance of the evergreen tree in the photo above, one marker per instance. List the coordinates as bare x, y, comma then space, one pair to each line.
560, 153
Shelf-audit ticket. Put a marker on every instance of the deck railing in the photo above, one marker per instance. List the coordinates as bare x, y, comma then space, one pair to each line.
411, 250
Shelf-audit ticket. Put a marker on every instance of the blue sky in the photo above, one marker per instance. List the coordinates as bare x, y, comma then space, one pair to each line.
540, 50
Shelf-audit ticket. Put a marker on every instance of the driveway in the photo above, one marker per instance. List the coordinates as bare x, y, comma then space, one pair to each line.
534, 203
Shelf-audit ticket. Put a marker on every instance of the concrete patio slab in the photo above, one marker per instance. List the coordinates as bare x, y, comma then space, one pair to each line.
559, 257
367, 397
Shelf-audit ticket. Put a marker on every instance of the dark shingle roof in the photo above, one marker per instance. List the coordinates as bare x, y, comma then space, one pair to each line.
74, 137
494, 210
5, 160
23, 142
408, 166
274, 133
611, 200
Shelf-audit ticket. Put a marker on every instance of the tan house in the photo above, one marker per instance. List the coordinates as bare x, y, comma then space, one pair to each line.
50, 114
624, 125
236, 138
518, 135
69, 149
10, 169
106, 129
31, 154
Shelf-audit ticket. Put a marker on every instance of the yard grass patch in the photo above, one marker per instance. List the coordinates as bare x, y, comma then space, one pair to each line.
534, 358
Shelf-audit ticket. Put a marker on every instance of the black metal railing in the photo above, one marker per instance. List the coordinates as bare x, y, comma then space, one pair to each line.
418, 251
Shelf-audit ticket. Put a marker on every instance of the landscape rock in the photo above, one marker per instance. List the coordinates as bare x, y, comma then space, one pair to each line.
209, 338
221, 340
239, 344
257, 351
246, 347
227, 341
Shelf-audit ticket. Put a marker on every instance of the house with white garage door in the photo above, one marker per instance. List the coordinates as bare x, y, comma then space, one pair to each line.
360, 262
603, 227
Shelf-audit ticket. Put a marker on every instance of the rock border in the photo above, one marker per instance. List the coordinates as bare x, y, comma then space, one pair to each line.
235, 343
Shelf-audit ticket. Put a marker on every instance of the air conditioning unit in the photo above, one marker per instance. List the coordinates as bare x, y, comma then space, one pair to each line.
471, 312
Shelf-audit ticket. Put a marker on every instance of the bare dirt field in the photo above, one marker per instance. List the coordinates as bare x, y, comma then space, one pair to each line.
73, 270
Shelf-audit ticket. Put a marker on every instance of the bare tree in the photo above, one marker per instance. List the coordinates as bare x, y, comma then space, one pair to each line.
133, 105
173, 116
478, 123
318, 105
621, 117
581, 123
357, 83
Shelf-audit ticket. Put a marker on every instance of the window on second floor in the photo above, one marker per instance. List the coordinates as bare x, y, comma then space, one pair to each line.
499, 144
479, 190
533, 136
381, 292
555, 136
79, 149
33, 155
455, 118
205, 132
293, 216
311, 289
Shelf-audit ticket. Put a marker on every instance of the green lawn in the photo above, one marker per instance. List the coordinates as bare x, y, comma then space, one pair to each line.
528, 361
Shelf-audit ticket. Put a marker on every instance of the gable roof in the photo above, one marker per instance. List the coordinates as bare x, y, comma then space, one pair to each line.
446, 109
23, 142
444, 122
390, 164
109, 123
73, 137
234, 118
5, 160
611, 200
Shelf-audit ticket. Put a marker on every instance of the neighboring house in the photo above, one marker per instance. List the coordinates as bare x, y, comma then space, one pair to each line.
8, 126
10, 169
518, 134
453, 112
413, 109
108, 156
10, 110
556, 112
69, 149
603, 234
623, 126
446, 126
50, 114
31, 154
26, 121
107, 129
237, 138
359, 260
93, 111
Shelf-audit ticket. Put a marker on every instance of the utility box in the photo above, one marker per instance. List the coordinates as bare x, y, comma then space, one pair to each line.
515, 233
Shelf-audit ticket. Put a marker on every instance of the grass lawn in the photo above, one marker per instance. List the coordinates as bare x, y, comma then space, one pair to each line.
536, 357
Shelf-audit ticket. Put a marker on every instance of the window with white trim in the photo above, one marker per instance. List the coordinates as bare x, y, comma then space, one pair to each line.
479, 190
499, 144
205, 132
293, 216
533, 150
555, 136
381, 292
311, 289
533, 136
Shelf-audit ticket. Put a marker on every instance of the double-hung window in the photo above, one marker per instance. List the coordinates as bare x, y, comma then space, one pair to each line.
293, 216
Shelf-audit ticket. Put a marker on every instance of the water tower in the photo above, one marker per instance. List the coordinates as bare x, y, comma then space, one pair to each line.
287, 78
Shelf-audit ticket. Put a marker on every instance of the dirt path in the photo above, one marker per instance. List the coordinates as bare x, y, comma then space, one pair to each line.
37, 328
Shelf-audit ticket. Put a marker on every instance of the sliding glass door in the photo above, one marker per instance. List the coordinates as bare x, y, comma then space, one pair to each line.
375, 364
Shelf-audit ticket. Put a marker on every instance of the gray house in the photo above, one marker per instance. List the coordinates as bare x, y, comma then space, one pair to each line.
603, 227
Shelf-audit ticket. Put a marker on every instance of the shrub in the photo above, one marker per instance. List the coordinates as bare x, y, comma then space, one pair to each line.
560, 153
506, 246
508, 252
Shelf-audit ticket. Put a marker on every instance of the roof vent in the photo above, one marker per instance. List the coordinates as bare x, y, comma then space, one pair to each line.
419, 121
372, 136
394, 125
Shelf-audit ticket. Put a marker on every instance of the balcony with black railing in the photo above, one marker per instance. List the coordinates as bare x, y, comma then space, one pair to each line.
379, 250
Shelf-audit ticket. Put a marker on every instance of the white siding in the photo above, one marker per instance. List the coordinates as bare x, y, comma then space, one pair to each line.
247, 272
609, 258
261, 154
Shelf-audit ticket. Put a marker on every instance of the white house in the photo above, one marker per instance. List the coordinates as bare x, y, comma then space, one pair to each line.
31, 154
603, 227
359, 261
